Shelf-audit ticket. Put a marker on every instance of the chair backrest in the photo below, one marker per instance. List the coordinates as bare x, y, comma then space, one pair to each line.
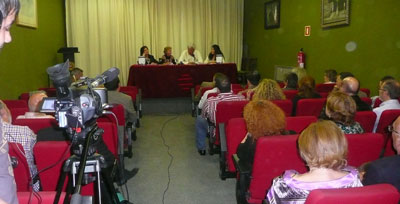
324, 87
310, 106
212, 95
324, 94
235, 132
48, 153
24, 97
110, 136
197, 88
275, 154
36, 124
131, 91
16, 104
366, 120
379, 193
119, 111
386, 119
367, 100
377, 103
281, 84
299, 123
236, 86
21, 171
290, 94
365, 90
285, 105
15, 112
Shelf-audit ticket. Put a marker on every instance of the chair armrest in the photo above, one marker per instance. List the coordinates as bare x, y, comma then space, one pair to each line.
240, 167
222, 137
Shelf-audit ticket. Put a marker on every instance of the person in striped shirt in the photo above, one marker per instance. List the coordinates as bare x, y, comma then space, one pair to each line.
208, 112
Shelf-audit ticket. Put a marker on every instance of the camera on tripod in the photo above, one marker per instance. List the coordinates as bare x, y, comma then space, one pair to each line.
76, 108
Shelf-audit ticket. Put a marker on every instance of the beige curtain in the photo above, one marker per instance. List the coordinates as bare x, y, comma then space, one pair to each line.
109, 33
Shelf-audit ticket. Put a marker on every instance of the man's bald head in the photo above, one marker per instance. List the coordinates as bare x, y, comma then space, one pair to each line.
34, 101
350, 86
396, 135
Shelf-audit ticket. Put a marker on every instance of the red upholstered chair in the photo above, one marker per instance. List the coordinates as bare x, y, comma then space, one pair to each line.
324, 87
46, 197
110, 136
365, 90
299, 123
49, 153
290, 94
379, 193
16, 104
377, 103
136, 96
285, 105
36, 124
367, 100
24, 97
324, 94
50, 92
281, 84
310, 106
275, 154
15, 112
387, 118
21, 169
366, 120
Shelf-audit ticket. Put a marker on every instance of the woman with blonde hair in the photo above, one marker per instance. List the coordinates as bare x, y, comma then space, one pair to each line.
268, 89
167, 58
341, 109
323, 146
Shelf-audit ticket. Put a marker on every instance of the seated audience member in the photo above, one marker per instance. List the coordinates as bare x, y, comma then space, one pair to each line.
144, 52
268, 89
212, 57
306, 90
291, 81
191, 56
208, 113
205, 94
76, 74
341, 77
323, 147
33, 103
116, 97
263, 118
341, 109
22, 135
386, 170
330, 76
253, 79
385, 78
389, 93
167, 58
300, 72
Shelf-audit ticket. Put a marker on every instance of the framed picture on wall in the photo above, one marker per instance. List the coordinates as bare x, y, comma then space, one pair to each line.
335, 13
28, 14
272, 14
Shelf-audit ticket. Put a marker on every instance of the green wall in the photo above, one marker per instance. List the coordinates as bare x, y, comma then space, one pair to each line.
24, 61
374, 27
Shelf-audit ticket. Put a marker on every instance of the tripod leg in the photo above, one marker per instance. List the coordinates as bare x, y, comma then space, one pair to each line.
69, 191
60, 184
109, 187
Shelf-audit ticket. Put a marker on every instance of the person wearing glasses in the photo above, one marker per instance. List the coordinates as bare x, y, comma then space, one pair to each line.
389, 94
386, 170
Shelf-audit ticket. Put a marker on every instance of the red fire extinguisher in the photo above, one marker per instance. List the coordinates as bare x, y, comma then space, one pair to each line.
301, 58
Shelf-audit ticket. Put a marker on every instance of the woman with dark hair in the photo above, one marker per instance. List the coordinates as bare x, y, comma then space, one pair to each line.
306, 90
212, 57
144, 52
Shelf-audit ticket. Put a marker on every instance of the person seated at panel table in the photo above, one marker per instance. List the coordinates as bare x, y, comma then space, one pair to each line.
268, 89
291, 81
330, 76
33, 104
341, 109
212, 56
167, 58
253, 79
306, 90
323, 147
191, 56
76, 74
144, 52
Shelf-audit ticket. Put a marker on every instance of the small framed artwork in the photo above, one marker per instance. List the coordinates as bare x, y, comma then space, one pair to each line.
272, 11
28, 14
335, 13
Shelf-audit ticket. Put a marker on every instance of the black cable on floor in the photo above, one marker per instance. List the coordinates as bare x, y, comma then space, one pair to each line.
170, 155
